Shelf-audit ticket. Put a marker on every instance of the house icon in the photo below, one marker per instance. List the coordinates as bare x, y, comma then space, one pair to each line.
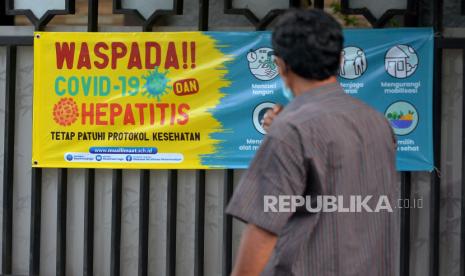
401, 61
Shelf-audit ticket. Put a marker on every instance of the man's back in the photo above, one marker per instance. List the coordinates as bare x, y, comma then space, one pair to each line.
327, 148
345, 149
352, 151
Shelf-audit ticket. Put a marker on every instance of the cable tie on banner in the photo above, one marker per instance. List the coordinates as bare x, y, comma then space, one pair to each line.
437, 171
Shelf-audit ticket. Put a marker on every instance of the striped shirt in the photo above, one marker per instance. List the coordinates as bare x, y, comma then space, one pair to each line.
325, 143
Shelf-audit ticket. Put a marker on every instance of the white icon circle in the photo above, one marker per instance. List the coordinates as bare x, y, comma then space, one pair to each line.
353, 63
401, 61
403, 117
261, 63
258, 115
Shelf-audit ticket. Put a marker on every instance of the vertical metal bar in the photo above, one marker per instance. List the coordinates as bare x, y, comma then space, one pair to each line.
406, 184
8, 161
411, 18
438, 15
462, 213
116, 198
200, 178
294, 3
144, 213
203, 14
144, 222
36, 217
199, 223
435, 179
36, 199
88, 262
92, 17
319, 4
227, 223
89, 189
171, 222
5, 20
435, 186
61, 222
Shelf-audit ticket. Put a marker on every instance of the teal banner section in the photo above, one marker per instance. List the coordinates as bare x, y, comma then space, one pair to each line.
389, 69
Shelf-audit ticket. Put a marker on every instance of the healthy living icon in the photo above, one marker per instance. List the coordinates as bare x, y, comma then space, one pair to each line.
403, 117
401, 120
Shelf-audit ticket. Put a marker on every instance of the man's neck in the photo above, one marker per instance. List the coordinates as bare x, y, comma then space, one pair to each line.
303, 85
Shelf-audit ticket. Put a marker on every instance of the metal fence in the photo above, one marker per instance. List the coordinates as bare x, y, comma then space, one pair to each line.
207, 17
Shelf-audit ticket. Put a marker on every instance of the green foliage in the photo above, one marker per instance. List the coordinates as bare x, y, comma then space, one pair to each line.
393, 23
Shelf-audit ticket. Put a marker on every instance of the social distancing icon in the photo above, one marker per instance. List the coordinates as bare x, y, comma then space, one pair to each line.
353, 63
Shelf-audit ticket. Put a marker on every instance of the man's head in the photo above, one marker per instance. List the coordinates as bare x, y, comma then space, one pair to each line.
307, 44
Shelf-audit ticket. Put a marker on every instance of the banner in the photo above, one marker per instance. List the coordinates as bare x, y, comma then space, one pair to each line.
195, 100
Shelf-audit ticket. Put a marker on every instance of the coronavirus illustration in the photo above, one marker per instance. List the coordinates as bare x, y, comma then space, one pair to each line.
156, 84
65, 112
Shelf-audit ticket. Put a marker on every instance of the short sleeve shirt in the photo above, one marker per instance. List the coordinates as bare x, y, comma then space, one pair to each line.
324, 143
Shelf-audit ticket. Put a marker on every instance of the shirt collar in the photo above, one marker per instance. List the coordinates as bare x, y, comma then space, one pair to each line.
320, 92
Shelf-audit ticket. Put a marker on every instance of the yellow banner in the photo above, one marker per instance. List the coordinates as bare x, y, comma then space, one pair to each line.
125, 100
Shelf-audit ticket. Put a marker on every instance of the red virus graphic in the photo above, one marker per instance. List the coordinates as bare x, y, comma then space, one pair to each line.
65, 112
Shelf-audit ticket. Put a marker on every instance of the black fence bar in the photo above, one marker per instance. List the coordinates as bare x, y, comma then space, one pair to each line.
411, 18
438, 6
294, 3
92, 17
406, 188
462, 211
116, 201
227, 223
200, 179
144, 201
89, 189
319, 4
8, 161
89, 197
61, 222
199, 223
203, 14
144, 216
171, 211
36, 200
435, 177
5, 19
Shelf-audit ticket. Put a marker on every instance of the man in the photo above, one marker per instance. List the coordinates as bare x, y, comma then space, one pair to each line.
323, 143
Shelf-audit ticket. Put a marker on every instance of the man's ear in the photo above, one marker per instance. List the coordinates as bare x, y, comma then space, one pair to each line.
282, 67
